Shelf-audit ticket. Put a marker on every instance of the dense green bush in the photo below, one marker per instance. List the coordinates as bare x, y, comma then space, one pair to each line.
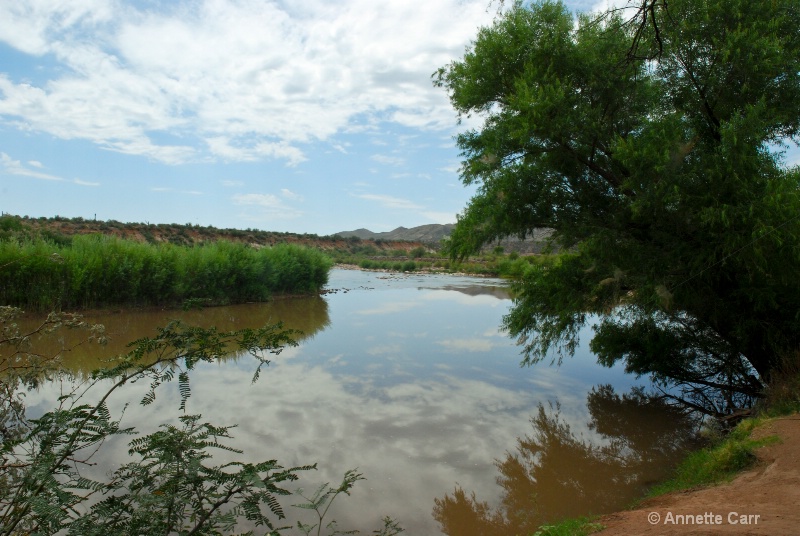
10, 223
513, 268
93, 271
409, 266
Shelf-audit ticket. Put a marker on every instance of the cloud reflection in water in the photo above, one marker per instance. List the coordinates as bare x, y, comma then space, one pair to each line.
422, 397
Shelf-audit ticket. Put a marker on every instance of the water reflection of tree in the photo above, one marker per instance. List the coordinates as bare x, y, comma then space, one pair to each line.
306, 316
554, 474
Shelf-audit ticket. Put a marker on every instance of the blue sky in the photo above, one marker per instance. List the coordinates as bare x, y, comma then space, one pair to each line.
306, 116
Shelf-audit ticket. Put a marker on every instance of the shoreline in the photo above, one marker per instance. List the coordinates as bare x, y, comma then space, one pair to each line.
424, 271
761, 499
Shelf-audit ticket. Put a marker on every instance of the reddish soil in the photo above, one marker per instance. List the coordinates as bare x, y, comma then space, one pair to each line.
194, 234
762, 500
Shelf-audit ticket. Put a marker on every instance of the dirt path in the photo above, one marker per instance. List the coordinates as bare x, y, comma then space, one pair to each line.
764, 500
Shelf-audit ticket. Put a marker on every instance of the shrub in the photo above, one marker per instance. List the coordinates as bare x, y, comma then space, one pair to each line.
409, 266
418, 252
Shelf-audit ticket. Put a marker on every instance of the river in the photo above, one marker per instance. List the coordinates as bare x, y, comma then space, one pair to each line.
408, 378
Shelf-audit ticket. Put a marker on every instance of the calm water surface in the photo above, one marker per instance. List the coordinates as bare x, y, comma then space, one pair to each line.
408, 378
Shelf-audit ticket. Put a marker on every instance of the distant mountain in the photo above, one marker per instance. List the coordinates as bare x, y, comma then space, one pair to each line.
432, 233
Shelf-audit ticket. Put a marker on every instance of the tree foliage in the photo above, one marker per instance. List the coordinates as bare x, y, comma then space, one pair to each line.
167, 487
649, 139
169, 484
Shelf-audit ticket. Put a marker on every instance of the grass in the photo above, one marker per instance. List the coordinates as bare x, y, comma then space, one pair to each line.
90, 271
732, 453
782, 396
371, 254
718, 463
570, 527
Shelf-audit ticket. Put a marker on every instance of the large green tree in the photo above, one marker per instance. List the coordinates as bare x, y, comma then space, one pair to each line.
650, 140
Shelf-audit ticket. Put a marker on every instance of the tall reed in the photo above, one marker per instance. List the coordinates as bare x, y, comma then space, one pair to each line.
97, 270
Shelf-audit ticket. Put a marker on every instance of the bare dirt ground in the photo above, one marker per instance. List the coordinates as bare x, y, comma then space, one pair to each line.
763, 500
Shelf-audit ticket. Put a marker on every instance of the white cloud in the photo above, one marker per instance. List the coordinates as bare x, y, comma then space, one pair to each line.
262, 200
29, 25
390, 202
440, 217
229, 148
268, 207
467, 345
467, 300
388, 160
454, 168
288, 194
384, 350
168, 189
237, 80
15, 167
85, 183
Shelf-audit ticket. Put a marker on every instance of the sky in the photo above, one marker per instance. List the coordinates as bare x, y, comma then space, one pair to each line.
304, 116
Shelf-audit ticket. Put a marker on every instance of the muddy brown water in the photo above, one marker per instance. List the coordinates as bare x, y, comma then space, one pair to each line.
409, 379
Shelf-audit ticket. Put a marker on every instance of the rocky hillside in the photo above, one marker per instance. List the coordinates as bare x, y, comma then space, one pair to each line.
434, 233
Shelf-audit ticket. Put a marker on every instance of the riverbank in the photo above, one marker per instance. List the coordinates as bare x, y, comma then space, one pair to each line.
425, 270
760, 500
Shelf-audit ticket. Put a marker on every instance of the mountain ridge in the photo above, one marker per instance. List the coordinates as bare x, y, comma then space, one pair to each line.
433, 233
